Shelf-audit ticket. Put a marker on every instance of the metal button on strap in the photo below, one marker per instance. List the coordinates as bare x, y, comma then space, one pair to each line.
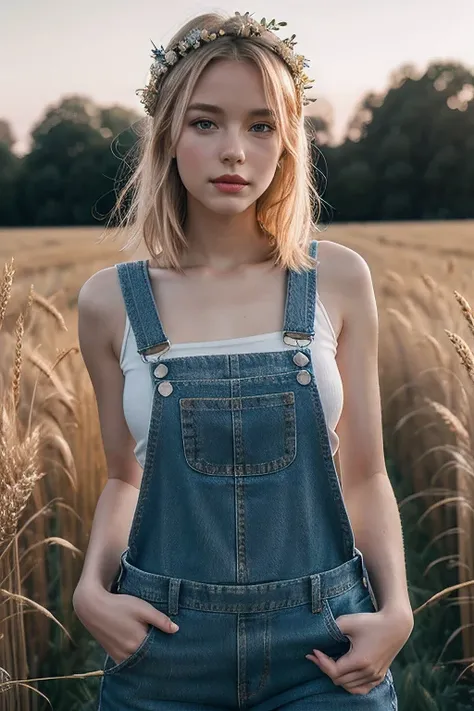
364, 581
300, 359
165, 388
161, 370
298, 342
303, 377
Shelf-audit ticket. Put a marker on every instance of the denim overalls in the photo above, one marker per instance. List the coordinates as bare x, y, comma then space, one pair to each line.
240, 533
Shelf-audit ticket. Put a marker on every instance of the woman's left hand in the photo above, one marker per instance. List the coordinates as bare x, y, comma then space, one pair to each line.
376, 639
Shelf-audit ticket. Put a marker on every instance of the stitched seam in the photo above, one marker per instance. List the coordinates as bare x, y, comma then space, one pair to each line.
281, 399
143, 265
233, 409
339, 589
189, 436
272, 377
134, 658
266, 656
331, 624
155, 427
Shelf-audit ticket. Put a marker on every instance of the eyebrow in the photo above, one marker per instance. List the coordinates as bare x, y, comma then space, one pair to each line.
217, 110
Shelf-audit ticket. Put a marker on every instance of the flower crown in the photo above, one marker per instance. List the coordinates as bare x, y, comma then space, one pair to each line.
164, 60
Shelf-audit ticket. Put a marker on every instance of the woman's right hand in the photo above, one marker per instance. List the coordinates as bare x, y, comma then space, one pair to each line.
119, 622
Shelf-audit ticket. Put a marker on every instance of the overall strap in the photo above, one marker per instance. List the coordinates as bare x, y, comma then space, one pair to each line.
141, 308
298, 329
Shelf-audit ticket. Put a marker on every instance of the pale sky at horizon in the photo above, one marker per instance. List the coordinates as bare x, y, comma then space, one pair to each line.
51, 48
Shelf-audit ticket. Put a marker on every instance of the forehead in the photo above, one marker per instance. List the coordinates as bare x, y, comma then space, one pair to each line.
232, 84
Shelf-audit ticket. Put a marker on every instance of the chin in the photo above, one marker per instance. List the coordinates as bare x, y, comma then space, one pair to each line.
223, 204
229, 210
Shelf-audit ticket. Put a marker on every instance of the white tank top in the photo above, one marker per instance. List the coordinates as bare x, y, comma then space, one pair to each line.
138, 386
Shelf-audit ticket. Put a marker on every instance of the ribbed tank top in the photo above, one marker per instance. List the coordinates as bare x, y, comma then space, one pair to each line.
138, 387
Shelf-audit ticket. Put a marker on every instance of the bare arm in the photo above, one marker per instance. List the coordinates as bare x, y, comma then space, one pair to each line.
108, 538
116, 504
368, 493
118, 622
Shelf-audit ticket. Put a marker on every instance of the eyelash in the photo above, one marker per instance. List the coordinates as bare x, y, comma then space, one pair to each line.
272, 128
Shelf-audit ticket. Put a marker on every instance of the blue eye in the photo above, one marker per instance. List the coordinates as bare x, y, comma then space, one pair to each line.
201, 121
271, 128
264, 124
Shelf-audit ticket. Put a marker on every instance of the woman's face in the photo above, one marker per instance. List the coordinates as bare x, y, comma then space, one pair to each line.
230, 140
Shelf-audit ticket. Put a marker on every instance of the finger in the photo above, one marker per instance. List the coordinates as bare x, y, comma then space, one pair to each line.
158, 619
361, 681
362, 689
165, 623
345, 666
325, 663
358, 673
352, 680
356, 678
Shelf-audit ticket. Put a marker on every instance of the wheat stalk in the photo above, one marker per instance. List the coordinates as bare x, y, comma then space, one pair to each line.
394, 277
430, 283
16, 378
463, 351
47, 369
440, 352
401, 318
450, 265
62, 354
6, 289
450, 419
48, 307
465, 310
19, 473
85, 675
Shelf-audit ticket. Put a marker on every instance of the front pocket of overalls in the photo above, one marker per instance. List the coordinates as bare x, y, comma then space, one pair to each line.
111, 668
353, 601
239, 436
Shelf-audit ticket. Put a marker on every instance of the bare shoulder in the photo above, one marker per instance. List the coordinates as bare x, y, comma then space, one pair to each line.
341, 263
99, 305
101, 308
343, 275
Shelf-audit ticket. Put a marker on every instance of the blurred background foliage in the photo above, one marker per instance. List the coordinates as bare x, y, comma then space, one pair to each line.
407, 154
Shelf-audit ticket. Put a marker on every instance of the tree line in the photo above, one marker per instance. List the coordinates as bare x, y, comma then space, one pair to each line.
407, 154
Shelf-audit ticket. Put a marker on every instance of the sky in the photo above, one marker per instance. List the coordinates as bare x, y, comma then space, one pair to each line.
101, 48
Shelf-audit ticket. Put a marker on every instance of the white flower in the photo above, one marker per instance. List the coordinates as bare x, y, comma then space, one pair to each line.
171, 57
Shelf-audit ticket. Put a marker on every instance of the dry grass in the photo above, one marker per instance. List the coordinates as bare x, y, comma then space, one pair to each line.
428, 369
47, 411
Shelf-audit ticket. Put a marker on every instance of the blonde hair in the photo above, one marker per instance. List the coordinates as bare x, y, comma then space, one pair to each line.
158, 203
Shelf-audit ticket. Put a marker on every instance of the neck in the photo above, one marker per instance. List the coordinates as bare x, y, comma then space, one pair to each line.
223, 242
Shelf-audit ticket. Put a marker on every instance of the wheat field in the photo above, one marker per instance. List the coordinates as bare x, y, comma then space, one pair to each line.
52, 466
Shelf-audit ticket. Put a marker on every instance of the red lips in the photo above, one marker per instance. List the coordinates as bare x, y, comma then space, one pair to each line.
227, 178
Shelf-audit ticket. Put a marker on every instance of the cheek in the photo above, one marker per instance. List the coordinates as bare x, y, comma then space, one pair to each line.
267, 156
190, 151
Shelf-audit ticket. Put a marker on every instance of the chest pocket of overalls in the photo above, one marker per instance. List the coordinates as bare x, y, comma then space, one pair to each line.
239, 436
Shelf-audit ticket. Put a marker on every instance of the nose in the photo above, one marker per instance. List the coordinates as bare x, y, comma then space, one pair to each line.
233, 151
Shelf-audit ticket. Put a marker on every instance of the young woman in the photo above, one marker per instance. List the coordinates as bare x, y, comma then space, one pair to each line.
219, 365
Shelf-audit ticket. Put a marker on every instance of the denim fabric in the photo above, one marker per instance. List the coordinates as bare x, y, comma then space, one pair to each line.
240, 533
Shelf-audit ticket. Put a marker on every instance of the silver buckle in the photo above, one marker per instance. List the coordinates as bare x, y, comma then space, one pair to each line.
297, 339
167, 346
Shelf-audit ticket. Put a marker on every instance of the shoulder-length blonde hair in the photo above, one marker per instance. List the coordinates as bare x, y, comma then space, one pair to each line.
157, 208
